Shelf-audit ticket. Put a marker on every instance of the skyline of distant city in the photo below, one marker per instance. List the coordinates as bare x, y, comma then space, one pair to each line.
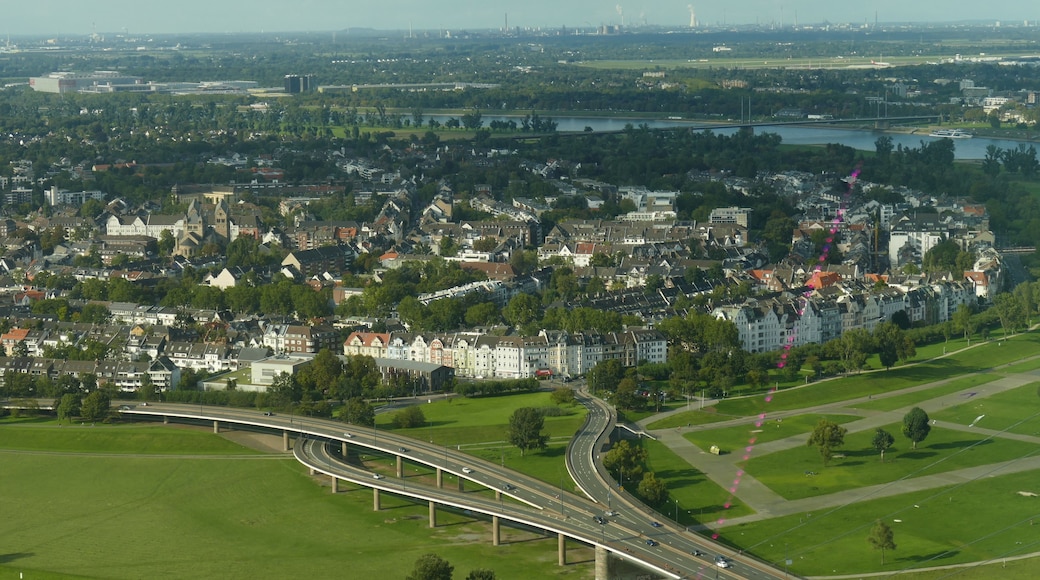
69, 17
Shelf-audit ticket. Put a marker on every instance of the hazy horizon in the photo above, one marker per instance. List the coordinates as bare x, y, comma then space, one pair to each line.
65, 17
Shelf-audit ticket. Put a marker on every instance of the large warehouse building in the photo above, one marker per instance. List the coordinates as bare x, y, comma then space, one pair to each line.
70, 82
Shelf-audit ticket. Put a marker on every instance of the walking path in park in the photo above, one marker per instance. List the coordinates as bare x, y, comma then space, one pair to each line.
724, 469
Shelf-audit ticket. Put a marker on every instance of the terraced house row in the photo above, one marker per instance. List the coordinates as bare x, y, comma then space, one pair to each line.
478, 355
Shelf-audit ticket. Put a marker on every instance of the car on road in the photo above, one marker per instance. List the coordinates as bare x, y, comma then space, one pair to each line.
655, 524
124, 408
403, 449
611, 514
347, 435
144, 404
467, 470
697, 553
651, 543
509, 487
268, 413
376, 476
722, 562
600, 520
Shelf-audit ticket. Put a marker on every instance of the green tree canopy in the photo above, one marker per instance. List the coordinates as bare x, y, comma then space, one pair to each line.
431, 567
826, 436
653, 490
916, 425
525, 429
882, 441
881, 538
96, 406
409, 417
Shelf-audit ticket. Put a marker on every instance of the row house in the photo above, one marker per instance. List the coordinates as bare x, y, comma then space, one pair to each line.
824, 314
295, 338
332, 259
210, 358
478, 355
128, 377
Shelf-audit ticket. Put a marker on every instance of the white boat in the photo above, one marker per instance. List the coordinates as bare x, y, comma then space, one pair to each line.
951, 134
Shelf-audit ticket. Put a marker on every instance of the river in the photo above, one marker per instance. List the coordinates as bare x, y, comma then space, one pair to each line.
856, 138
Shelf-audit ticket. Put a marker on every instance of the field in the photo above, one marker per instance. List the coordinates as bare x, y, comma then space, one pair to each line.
698, 498
176, 513
944, 450
1014, 411
729, 438
926, 524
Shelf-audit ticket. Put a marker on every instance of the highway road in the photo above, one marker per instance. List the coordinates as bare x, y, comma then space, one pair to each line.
537, 503
586, 468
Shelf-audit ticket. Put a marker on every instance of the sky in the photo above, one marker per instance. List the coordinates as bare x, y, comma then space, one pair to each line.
53, 17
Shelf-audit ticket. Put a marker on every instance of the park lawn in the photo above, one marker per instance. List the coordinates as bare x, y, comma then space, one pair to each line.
737, 437
981, 357
117, 516
634, 416
977, 521
1023, 367
548, 465
462, 421
912, 398
788, 472
1015, 410
699, 498
698, 417
138, 438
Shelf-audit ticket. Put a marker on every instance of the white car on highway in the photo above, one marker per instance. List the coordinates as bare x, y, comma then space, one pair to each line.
467, 470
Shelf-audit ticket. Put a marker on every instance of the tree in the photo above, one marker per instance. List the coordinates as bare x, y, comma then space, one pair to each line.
826, 436
1009, 311
881, 538
562, 396
409, 417
962, 320
69, 406
625, 460
653, 490
525, 429
481, 574
882, 441
887, 337
357, 411
916, 425
96, 406
431, 567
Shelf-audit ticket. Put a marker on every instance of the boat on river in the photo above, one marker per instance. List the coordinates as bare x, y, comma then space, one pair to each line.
951, 134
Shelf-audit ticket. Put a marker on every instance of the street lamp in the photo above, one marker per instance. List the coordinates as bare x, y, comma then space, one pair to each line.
676, 511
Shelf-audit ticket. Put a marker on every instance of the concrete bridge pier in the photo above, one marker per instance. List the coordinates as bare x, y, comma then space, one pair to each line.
561, 549
462, 484
285, 440
335, 484
165, 420
375, 499
400, 467
498, 495
433, 515
496, 531
602, 563
343, 449
216, 427
440, 478
312, 471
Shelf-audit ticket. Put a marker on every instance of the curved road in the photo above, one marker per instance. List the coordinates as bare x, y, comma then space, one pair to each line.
583, 462
539, 503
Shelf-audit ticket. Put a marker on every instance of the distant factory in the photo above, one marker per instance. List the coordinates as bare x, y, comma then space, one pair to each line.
114, 82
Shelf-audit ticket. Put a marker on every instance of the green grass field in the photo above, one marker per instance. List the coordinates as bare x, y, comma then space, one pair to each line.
730, 438
944, 450
980, 520
120, 515
1015, 410
912, 398
976, 359
697, 417
465, 421
699, 498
